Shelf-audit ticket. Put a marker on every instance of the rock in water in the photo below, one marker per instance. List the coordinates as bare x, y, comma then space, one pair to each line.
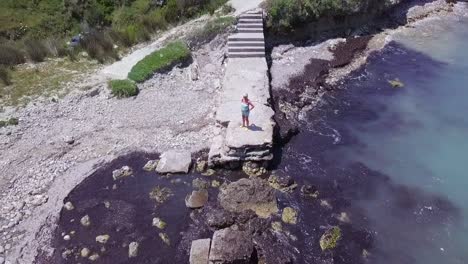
199, 252
249, 194
289, 215
68, 206
231, 246
219, 218
151, 165
85, 221
174, 162
85, 252
123, 172
330, 238
133, 250
157, 222
196, 199
102, 239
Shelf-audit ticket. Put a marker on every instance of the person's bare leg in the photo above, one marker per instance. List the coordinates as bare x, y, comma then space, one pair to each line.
243, 121
247, 121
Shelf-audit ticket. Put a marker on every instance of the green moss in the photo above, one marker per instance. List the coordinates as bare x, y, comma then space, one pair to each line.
158, 61
330, 238
160, 195
123, 88
289, 216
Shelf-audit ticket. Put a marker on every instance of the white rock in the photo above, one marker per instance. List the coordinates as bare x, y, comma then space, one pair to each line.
133, 250
66, 237
85, 252
68, 206
85, 221
102, 239
174, 162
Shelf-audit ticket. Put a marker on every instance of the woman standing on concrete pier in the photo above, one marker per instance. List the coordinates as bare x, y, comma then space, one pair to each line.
246, 107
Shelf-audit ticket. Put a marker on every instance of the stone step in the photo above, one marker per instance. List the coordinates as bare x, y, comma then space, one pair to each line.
252, 16
249, 21
246, 49
256, 25
246, 55
250, 30
247, 37
246, 44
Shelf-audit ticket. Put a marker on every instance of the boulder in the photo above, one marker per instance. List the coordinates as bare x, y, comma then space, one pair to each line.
133, 249
219, 218
196, 199
157, 222
85, 252
200, 184
174, 162
151, 165
330, 238
68, 206
289, 215
249, 194
123, 172
231, 246
200, 250
85, 221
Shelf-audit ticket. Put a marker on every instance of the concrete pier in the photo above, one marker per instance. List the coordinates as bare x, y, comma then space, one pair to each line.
246, 72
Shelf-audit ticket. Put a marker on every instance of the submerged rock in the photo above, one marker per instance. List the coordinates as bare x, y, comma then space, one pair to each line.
396, 83
157, 222
199, 251
249, 194
219, 218
231, 246
103, 239
215, 184
85, 221
209, 172
94, 257
201, 166
159, 194
330, 238
289, 215
165, 238
151, 165
174, 162
123, 172
85, 252
196, 199
133, 249
200, 184
282, 183
68, 206
253, 169
309, 191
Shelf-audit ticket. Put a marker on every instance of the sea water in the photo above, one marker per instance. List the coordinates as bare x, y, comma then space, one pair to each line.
412, 139
419, 138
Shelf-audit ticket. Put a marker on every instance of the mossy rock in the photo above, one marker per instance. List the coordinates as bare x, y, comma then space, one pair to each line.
289, 215
330, 238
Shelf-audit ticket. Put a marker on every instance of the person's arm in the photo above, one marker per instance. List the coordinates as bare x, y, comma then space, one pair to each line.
251, 105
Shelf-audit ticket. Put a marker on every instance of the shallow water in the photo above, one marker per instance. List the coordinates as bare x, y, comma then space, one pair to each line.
411, 143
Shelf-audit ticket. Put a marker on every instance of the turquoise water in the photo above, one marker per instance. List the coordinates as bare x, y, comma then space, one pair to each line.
419, 139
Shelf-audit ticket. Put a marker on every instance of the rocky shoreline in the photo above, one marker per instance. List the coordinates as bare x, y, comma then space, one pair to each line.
39, 192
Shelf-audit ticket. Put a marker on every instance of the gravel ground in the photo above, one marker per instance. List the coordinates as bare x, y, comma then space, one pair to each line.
58, 141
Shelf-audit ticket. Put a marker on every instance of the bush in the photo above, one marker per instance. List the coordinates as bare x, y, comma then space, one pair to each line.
11, 56
161, 60
99, 46
10, 122
5, 75
36, 50
123, 88
155, 20
227, 9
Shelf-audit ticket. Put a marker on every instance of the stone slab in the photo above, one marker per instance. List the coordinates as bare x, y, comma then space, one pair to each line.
260, 133
174, 162
231, 246
200, 250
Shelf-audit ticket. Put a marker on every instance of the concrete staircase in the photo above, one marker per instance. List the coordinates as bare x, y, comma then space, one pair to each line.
246, 72
249, 42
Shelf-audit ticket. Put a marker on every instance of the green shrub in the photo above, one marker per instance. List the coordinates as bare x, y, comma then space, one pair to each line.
123, 88
161, 60
10, 122
5, 75
11, 56
99, 46
36, 50
155, 20
227, 9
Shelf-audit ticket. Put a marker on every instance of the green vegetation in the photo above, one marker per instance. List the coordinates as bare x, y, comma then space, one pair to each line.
211, 30
330, 238
10, 122
159, 61
287, 14
123, 88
